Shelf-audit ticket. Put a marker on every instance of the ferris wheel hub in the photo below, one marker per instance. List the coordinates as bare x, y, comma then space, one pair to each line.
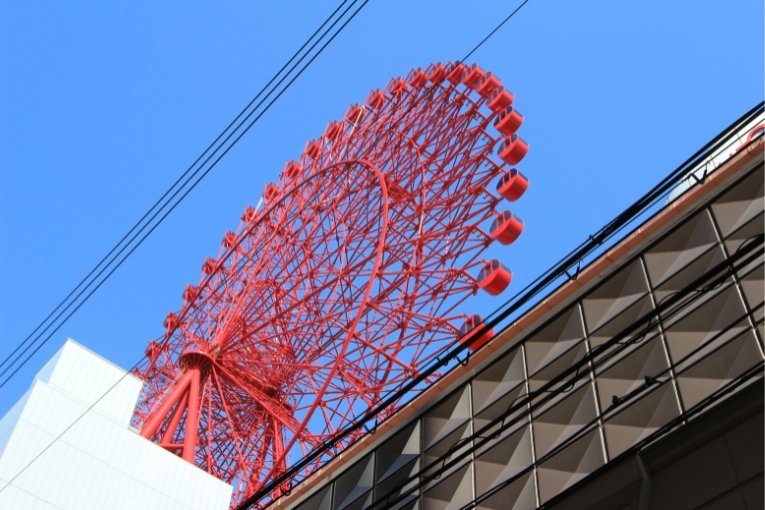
198, 359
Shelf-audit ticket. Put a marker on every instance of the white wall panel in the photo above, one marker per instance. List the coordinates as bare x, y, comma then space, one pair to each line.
99, 461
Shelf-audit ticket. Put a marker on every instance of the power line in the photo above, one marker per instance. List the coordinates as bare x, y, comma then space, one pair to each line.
494, 31
168, 206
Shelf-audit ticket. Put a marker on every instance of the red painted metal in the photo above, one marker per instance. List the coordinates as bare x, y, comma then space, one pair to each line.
210, 266
190, 293
334, 131
456, 72
153, 350
508, 121
512, 185
494, 277
419, 78
506, 227
474, 76
348, 280
171, 322
500, 100
249, 215
313, 149
354, 114
513, 149
191, 429
292, 170
470, 328
376, 99
271, 193
436, 73
230, 239
397, 87
489, 86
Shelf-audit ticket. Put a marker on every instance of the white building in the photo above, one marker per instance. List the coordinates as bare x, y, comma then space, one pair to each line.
99, 461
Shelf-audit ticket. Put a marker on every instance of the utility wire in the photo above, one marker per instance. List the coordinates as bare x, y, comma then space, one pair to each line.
237, 133
494, 31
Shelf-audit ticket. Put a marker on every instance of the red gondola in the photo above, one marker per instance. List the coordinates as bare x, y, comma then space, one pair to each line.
489, 86
354, 114
397, 87
512, 185
501, 100
455, 75
513, 149
494, 277
333, 131
153, 351
437, 73
271, 192
171, 322
230, 240
376, 99
292, 170
210, 266
474, 76
190, 293
249, 214
506, 227
419, 78
470, 328
313, 149
508, 121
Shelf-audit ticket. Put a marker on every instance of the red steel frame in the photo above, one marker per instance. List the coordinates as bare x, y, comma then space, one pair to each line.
347, 280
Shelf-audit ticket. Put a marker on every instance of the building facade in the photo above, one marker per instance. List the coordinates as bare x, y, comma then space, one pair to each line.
67, 444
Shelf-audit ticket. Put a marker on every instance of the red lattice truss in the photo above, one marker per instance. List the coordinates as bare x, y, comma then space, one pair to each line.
344, 282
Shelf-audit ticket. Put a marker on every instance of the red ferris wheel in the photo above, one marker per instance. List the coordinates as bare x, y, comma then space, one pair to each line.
344, 282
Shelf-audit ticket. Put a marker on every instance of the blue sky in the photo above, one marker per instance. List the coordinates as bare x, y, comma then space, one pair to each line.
104, 104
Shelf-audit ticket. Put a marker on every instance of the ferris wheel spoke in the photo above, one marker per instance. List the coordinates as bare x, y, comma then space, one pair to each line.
236, 438
262, 400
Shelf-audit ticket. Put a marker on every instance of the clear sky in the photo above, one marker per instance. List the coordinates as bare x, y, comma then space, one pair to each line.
104, 104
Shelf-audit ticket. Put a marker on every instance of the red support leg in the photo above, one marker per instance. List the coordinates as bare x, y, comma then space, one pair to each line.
192, 417
167, 438
153, 422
